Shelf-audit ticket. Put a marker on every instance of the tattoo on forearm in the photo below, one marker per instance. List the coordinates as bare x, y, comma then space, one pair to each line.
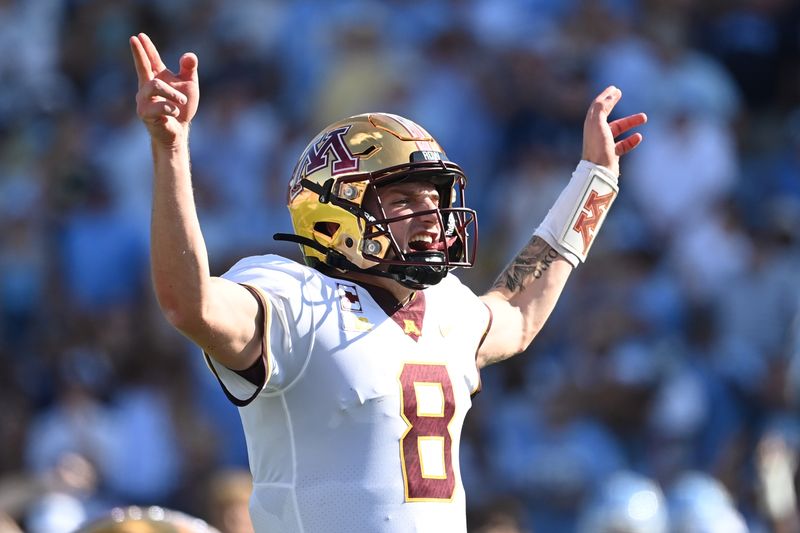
530, 264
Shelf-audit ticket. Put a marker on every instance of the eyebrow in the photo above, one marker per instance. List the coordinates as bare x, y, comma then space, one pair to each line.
411, 189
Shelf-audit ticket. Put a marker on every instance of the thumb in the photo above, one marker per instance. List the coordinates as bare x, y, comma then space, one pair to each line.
188, 66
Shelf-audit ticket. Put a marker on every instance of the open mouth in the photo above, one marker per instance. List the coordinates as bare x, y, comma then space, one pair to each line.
427, 243
424, 242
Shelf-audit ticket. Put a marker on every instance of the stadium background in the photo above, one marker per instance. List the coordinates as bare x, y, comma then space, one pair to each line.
674, 351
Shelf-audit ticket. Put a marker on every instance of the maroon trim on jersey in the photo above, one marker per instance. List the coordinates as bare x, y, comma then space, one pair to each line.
256, 374
409, 316
486, 332
483, 338
383, 297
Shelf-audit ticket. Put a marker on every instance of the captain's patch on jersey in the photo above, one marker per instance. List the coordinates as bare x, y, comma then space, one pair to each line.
410, 328
357, 323
348, 298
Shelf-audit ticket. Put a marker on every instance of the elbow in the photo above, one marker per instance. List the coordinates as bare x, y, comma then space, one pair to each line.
179, 312
517, 345
175, 317
526, 337
184, 319
524, 345
175, 314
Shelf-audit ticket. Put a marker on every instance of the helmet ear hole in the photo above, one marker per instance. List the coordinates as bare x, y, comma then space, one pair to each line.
326, 228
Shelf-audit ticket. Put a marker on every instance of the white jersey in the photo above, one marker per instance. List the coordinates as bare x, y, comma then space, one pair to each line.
357, 429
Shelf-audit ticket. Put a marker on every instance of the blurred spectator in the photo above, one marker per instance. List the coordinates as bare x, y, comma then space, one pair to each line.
658, 70
698, 502
8, 525
626, 503
30, 77
776, 463
229, 501
77, 423
501, 516
715, 226
685, 170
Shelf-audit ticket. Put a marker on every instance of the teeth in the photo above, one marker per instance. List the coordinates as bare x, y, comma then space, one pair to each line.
422, 238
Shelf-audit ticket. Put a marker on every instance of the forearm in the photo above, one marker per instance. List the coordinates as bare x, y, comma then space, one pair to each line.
526, 292
531, 265
523, 297
179, 259
219, 315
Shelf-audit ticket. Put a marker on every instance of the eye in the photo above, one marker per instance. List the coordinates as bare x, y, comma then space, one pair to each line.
403, 200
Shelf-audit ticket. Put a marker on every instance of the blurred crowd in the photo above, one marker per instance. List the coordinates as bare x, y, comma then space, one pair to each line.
662, 395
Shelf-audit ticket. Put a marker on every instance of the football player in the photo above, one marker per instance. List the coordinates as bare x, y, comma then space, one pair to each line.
353, 372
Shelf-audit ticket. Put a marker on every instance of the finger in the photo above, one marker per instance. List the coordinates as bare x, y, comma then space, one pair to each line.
622, 125
627, 144
188, 64
609, 98
157, 110
144, 72
160, 88
152, 53
609, 92
604, 102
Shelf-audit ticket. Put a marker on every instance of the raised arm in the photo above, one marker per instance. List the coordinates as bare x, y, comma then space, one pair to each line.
220, 316
526, 292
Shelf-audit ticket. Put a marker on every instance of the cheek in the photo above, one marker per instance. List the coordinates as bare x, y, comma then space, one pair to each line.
394, 212
400, 228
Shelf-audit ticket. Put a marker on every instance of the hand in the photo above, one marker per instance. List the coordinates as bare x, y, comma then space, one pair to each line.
166, 102
599, 146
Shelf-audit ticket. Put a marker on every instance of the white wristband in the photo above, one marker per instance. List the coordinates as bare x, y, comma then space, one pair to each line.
574, 220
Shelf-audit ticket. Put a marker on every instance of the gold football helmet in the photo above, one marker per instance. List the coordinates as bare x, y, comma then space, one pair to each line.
355, 157
153, 519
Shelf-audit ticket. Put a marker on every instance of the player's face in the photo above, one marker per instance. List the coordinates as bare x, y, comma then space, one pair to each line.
417, 233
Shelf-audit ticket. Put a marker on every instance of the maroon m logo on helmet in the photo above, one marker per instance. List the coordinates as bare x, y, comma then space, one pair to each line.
331, 144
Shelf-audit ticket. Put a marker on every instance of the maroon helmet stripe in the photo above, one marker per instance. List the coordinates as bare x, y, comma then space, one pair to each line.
417, 132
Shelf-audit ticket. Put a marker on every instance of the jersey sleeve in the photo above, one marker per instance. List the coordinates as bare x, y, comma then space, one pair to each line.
281, 286
471, 319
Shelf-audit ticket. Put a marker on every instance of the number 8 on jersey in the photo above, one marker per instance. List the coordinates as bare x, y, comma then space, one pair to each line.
428, 406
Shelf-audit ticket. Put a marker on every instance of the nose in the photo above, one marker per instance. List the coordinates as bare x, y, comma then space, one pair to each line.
428, 206
428, 202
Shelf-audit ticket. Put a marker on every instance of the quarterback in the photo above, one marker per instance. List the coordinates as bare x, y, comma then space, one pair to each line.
354, 371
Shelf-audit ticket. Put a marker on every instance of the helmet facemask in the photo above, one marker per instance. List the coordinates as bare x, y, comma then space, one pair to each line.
454, 246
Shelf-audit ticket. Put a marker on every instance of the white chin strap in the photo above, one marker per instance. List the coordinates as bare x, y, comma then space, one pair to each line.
574, 220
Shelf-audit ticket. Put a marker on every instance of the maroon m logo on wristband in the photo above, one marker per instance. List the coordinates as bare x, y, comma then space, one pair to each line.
591, 214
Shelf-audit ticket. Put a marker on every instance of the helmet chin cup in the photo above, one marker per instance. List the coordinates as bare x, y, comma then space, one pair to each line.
420, 276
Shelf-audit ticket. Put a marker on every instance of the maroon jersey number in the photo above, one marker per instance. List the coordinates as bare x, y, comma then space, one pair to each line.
428, 406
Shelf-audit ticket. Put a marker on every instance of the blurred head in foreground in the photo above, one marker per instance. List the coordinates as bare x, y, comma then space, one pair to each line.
147, 520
